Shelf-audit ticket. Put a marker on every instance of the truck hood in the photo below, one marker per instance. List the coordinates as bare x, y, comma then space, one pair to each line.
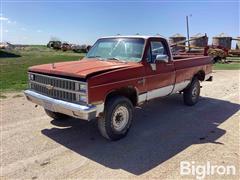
82, 68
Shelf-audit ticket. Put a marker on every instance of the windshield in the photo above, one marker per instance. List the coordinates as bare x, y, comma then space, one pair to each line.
126, 49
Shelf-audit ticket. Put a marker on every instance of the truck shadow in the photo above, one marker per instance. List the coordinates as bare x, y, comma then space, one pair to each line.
161, 129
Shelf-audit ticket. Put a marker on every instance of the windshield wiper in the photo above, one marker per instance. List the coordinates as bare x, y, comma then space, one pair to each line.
113, 58
98, 57
94, 57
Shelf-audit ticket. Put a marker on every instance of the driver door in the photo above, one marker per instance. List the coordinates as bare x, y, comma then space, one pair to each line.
160, 73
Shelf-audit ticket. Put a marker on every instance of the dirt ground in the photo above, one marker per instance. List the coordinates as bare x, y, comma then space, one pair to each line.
164, 133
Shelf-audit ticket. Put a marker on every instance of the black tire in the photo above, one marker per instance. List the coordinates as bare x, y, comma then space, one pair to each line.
192, 92
56, 116
116, 119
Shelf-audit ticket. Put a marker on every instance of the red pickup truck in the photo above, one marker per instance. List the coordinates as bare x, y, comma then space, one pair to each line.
117, 74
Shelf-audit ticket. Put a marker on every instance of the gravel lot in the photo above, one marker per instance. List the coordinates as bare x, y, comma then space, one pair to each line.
164, 133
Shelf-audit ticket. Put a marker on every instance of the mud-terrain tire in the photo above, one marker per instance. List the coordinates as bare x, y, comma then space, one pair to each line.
116, 119
191, 93
56, 116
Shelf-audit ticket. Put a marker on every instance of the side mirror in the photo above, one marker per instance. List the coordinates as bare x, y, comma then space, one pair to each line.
161, 57
88, 48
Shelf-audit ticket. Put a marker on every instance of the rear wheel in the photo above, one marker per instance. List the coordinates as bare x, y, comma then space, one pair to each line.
191, 93
117, 118
55, 115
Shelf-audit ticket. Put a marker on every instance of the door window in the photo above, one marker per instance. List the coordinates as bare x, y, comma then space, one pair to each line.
157, 48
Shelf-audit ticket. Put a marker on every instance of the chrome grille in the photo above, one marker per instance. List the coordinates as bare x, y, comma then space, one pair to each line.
68, 96
60, 83
58, 88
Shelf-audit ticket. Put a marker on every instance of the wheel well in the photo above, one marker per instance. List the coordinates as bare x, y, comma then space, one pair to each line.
129, 93
200, 75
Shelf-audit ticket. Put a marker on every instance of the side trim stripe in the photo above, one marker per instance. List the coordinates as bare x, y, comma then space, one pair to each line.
180, 86
164, 91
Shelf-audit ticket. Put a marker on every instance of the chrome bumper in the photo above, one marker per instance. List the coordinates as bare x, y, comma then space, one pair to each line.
208, 77
75, 110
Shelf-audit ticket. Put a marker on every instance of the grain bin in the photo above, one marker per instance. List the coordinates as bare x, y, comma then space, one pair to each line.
199, 40
177, 38
222, 40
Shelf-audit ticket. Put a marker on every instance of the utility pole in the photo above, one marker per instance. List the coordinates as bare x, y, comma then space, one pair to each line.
188, 38
1, 25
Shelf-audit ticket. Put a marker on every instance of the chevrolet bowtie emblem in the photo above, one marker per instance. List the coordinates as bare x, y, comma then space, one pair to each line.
49, 87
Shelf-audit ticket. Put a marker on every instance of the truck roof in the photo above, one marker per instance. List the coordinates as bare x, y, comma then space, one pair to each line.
133, 36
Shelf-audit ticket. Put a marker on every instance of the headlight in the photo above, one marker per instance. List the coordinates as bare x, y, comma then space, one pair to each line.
83, 98
83, 87
31, 77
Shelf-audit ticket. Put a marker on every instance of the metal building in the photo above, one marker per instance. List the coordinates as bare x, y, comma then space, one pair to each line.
178, 38
199, 40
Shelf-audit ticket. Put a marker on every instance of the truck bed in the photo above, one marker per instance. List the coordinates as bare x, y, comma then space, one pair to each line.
187, 66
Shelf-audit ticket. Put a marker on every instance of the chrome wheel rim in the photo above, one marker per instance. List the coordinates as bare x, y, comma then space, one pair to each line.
120, 118
195, 92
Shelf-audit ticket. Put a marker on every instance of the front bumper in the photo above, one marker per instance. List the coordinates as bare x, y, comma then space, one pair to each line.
85, 112
208, 77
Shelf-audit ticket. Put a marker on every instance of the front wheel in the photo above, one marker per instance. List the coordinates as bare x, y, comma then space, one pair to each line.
117, 118
191, 93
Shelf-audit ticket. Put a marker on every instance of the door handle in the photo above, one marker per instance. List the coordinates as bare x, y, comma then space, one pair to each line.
153, 66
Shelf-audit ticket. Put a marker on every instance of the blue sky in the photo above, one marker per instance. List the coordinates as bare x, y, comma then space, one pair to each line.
75, 21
